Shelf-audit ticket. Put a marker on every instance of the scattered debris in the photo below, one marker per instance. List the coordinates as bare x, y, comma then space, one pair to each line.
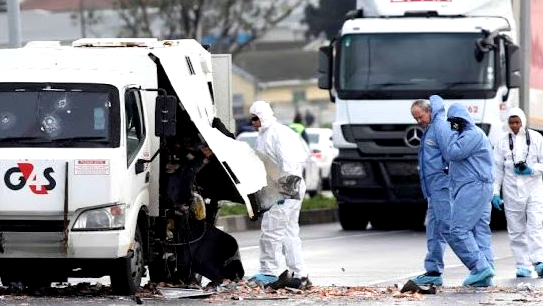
410, 286
178, 293
525, 287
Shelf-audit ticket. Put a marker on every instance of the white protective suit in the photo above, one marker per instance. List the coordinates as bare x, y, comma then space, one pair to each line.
522, 194
283, 155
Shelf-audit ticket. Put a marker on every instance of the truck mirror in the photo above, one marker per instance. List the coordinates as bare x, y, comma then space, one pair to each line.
165, 116
513, 64
325, 67
139, 167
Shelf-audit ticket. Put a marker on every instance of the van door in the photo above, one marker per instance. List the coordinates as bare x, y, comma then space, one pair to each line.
137, 147
243, 166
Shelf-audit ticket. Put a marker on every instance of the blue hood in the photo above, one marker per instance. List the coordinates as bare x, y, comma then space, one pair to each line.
438, 106
458, 110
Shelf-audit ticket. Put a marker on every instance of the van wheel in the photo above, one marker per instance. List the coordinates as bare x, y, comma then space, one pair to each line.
126, 278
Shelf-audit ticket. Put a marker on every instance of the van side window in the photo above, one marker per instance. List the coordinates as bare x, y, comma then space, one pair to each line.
135, 125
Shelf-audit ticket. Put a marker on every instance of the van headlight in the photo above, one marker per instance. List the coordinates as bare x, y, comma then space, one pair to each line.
102, 218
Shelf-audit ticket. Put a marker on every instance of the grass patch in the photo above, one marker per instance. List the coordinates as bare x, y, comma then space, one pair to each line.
317, 202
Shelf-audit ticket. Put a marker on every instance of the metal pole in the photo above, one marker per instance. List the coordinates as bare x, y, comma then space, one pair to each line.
14, 23
82, 19
525, 47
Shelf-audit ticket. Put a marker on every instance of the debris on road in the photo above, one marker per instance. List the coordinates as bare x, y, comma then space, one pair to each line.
410, 286
525, 287
241, 290
244, 291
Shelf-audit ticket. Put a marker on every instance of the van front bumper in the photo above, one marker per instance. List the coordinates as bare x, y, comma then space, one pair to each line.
89, 244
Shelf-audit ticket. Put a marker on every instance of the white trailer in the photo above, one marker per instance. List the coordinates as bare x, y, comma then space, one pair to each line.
85, 134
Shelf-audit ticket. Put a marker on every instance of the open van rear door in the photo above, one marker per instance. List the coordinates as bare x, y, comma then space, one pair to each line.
191, 86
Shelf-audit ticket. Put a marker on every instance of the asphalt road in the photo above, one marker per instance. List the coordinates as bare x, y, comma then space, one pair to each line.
348, 258
354, 258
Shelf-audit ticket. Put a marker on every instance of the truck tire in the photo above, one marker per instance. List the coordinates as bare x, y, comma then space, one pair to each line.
497, 220
352, 217
126, 277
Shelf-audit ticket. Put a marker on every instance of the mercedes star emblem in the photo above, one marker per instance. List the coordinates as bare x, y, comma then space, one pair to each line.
412, 136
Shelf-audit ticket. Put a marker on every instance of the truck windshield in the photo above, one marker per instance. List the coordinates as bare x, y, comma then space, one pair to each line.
59, 115
417, 63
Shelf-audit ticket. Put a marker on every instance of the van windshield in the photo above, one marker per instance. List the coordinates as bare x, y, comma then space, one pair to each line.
59, 115
416, 62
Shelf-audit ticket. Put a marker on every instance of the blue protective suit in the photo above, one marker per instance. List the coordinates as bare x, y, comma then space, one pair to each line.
435, 184
470, 170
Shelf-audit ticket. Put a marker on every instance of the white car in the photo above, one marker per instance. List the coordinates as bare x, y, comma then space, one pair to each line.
320, 143
312, 175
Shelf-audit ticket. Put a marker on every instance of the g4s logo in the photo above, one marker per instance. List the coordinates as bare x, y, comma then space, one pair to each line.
26, 174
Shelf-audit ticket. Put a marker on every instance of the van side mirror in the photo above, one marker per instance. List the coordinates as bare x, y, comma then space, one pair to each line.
140, 166
325, 67
165, 116
513, 76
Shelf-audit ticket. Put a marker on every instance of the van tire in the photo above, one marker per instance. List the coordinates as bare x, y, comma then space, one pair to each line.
129, 270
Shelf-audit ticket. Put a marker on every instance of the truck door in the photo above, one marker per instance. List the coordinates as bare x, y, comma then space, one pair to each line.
137, 147
244, 168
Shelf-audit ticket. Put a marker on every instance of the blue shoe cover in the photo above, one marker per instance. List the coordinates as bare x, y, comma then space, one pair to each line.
425, 279
523, 272
487, 282
539, 269
478, 276
262, 279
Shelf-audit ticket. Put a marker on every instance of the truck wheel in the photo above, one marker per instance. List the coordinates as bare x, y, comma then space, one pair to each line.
352, 217
497, 220
126, 278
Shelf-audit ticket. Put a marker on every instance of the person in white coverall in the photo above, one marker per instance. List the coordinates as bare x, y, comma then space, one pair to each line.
519, 166
281, 150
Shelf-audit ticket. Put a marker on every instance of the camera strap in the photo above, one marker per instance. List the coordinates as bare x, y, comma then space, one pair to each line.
511, 146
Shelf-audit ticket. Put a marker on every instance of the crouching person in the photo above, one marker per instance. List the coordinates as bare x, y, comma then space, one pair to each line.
281, 150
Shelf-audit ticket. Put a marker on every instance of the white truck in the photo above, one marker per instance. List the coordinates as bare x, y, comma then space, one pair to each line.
390, 53
100, 165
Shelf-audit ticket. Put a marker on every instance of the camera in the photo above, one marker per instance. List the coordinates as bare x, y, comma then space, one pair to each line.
457, 123
521, 166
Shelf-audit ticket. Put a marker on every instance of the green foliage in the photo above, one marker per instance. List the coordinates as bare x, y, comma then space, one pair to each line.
317, 202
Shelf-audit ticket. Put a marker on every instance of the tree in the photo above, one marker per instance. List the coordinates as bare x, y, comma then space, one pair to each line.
327, 18
225, 20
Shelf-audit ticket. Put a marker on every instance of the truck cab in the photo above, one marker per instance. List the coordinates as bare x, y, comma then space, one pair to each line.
388, 54
87, 133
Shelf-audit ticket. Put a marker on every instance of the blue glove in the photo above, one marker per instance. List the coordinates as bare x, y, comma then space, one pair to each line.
280, 202
526, 171
497, 202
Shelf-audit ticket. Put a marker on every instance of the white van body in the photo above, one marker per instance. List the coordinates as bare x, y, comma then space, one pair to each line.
68, 161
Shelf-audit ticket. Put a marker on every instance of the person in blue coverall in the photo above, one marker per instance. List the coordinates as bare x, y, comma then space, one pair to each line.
435, 184
470, 171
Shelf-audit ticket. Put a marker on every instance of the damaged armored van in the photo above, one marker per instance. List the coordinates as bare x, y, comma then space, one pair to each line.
113, 159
